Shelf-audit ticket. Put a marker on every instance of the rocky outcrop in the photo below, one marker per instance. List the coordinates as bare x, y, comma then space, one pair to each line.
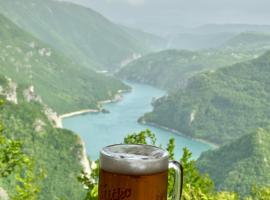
53, 117
29, 95
10, 92
192, 116
84, 159
39, 125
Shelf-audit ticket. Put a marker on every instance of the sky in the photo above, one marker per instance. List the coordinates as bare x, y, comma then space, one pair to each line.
160, 15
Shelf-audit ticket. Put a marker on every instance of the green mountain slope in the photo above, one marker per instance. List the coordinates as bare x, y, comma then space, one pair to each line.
219, 106
62, 84
240, 165
80, 33
57, 151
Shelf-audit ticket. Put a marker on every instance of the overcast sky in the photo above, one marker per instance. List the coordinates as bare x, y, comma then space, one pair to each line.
162, 14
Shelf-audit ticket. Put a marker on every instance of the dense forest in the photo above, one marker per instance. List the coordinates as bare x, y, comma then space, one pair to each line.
219, 106
241, 165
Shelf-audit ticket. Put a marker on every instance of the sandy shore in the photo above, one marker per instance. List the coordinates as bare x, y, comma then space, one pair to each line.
117, 97
213, 145
80, 112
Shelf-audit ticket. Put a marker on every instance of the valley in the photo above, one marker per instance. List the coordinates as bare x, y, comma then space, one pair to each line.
73, 81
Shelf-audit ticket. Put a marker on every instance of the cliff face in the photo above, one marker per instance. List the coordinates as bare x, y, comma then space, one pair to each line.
84, 159
3, 194
10, 91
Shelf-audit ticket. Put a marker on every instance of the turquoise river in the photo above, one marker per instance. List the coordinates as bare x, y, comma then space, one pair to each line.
100, 129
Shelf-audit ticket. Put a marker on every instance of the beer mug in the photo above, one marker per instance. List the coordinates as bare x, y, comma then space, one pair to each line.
137, 172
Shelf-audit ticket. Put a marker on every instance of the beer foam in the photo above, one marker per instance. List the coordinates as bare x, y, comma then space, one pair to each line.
134, 159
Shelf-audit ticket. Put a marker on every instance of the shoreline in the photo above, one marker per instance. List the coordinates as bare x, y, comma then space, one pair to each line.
80, 112
118, 97
211, 144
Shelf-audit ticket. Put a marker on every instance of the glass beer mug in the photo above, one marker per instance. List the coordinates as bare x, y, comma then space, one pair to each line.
137, 172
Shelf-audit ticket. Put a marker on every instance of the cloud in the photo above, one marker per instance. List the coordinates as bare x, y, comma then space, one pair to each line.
136, 2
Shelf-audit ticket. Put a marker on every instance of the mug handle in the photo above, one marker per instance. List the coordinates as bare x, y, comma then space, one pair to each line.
178, 179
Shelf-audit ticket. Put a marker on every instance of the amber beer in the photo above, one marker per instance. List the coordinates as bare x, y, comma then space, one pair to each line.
135, 172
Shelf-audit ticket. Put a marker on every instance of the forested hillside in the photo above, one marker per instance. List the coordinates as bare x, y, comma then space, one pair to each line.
80, 33
219, 106
57, 152
62, 84
241, 165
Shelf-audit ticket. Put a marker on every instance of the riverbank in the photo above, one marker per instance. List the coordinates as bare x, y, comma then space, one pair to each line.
213, 145
118, 97
80, 112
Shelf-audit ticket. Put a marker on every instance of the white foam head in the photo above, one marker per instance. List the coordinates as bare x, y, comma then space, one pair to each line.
134, 159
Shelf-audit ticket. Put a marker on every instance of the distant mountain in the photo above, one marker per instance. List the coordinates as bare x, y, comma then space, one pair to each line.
230, 28
80, 33
249, 40
62, 84
219, 106
198, 41
241, 165
58, 152
211, 35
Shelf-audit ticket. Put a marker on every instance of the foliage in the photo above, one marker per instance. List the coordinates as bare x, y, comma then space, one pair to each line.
144, 137
262, 193
90, 182
13, 161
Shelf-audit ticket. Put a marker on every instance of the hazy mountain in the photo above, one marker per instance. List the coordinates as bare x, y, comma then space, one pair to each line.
219, 106
241, 165
249, 40
167, 17
230, 28
80, 33
197, 41
62, 84
211, 35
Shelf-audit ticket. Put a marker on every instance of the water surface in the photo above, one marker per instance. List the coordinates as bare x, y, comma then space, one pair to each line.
100, 129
